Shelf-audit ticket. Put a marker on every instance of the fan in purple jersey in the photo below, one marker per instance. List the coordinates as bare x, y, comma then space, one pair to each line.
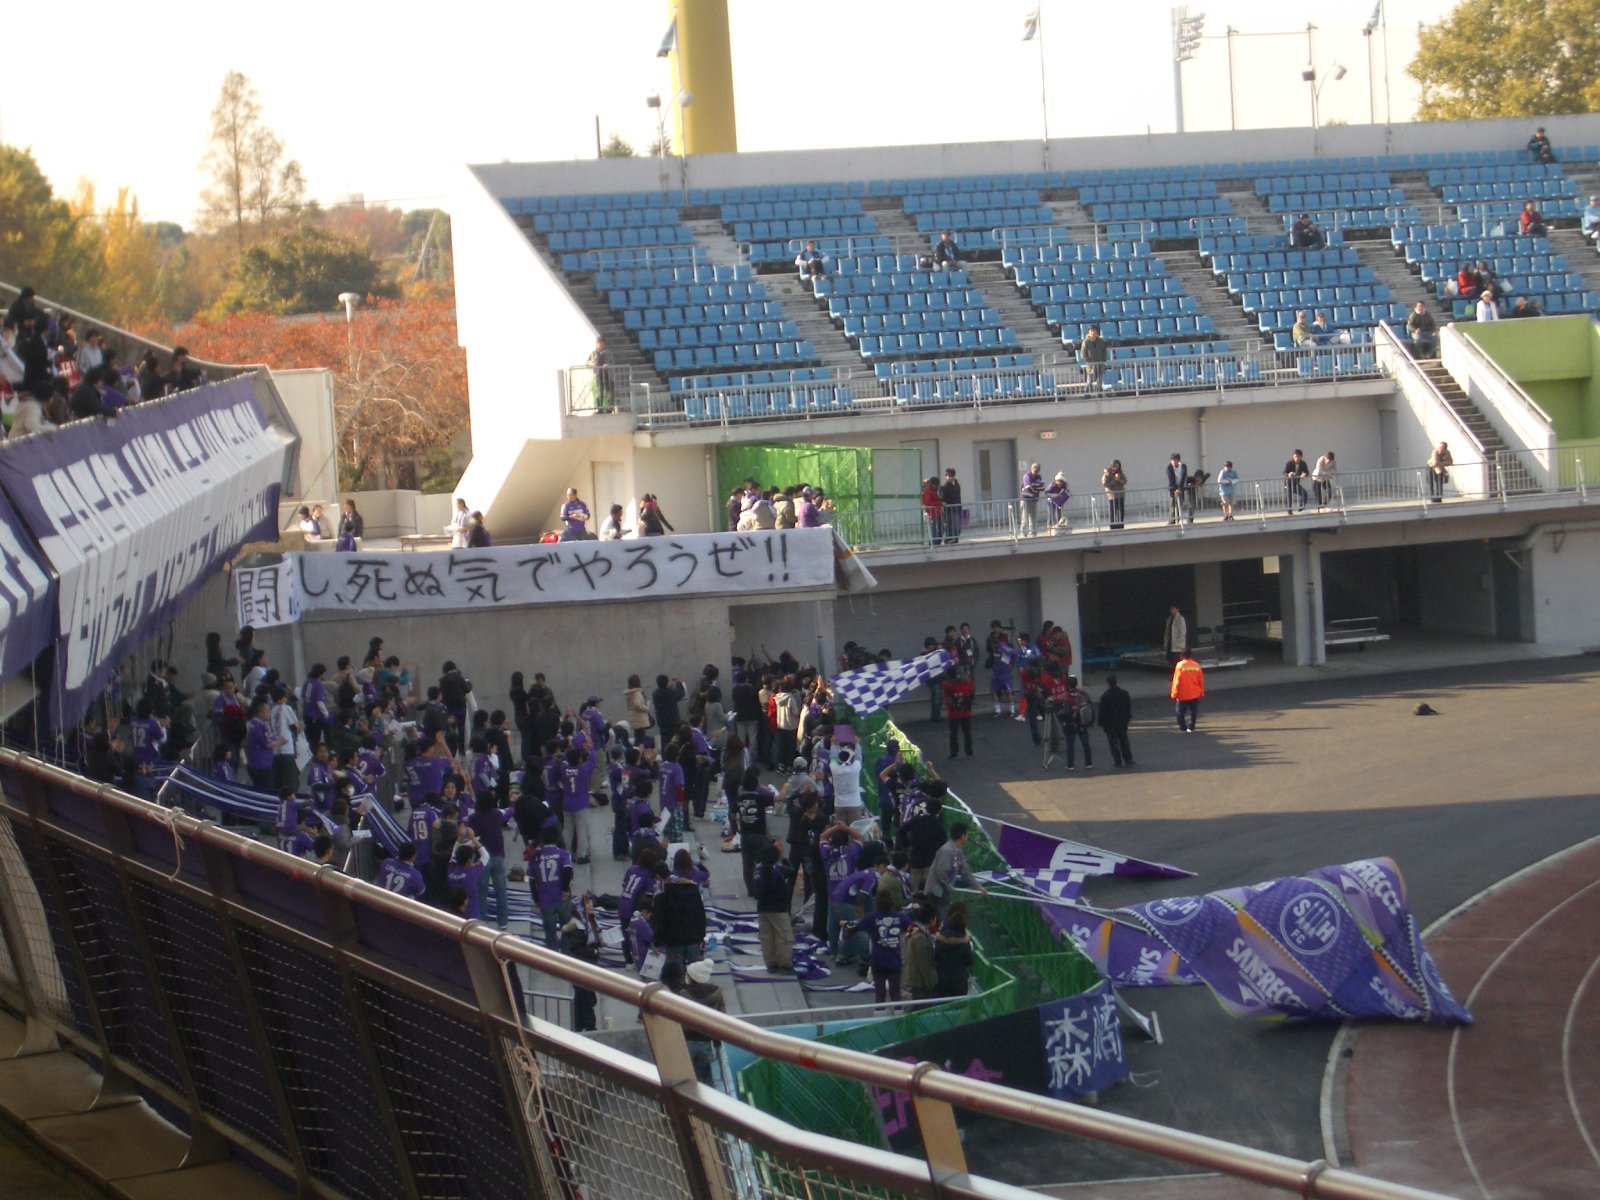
462, 877
424, 817
399, 874
886, 931
641, 932
550, 881
638, 881
427, 772
575, 773
319, 778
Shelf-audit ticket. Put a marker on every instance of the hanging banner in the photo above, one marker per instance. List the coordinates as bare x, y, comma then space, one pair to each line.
27, 602
267, 596
695, 564
135, 514
1082, 1038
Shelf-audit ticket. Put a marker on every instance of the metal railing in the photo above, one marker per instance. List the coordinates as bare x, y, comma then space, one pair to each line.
355, 1043
1508, 476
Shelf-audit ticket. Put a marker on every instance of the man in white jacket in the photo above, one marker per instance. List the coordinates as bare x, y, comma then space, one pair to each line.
1175, 638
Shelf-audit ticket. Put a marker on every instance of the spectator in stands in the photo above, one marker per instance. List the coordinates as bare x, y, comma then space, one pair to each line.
1057, 496
1531, 220
303, 521
1486, 310
88, 399
946, 254
183, 375
950, 498
351, 527
1591, 220
460, 521
1467, 283
151, 384
31, 349
477, 532
811, 262
1178, 489
1114, 481
1322, 475
1539, 147
1422, 329
600, 364
30, 416
1301, 332
932, 513
575, 517
733, 507
611, 528
1227, 483
1519, 309
1321, 331
1439, 464
1094, 351
25, 303
1305, 235
1031, 489
91, 355
652, 521
1294, 471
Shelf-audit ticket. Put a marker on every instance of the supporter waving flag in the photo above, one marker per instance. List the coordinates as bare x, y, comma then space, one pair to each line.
878, 685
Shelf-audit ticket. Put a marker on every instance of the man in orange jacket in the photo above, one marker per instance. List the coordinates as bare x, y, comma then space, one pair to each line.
1188, 689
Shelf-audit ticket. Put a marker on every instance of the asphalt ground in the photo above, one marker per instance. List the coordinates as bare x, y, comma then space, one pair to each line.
1281, 778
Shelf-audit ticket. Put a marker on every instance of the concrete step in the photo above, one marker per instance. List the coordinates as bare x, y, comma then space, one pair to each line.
1214, 299
1033, 335
1581, 255
800, 306
1392, 270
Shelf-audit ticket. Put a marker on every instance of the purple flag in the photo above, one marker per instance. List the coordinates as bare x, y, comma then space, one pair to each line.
27, 595
1030, 850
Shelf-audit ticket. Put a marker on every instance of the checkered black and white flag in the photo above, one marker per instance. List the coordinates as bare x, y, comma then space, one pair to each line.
879, 685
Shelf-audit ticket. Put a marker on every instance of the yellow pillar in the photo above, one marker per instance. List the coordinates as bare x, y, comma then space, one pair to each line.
702, 65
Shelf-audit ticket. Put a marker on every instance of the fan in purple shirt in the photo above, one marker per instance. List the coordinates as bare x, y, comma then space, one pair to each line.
886, 930
398, 874
319, 779
638, 881
599, 727
550, 880
426, 773
575, 514
641, 932
463, 875
424, 816
485, 769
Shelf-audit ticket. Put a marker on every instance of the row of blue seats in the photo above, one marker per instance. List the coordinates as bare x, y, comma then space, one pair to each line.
1180, 376
1267, 281
1514, 264
1262, 243
1141, 329
1130, 175
1532, 189
1148, 350
880, 324
702, 314
748, 333
899, 281
786, 210
1182, 229
1339, 362
531, 205
1343, 316
1456, 231
772, 193
1504, 213
1017, 386
802, 229
910, 368
910, 345
785, 251
966, 183
1283, 259
982, 218
689, 383
1114, 268
1162, 210
686, 294
604, 218
1184, 189
634, 259
646, 277
1105, 289
880, 302
796, 400
1080, 311
1338, 181
1367, 293
1358, 218
1298, 202
1542, 285
1361, 335
1028, 256
1494, 174
706, 358
621, 239
1551, 304
945, 201
1461, 249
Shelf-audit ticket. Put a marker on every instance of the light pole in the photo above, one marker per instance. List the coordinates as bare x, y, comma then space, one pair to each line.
1185, 45
683, 100
1316, 85
349, 300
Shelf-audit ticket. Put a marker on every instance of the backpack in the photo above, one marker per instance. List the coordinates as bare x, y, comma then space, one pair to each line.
1084, 710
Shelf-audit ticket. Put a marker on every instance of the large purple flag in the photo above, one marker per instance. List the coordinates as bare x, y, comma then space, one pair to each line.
27, 597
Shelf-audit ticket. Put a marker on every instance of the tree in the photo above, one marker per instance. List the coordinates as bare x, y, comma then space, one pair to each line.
301, 271
44, 242
1510, 58
133, 264
251, 183
616, 148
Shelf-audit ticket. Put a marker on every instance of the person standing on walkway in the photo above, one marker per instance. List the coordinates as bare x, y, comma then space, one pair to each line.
1116, 714
1439, 464
1227, 484
460, 525
958, 709
1114, 481
1294, 471
1178, 489
1188, 689
1322, 475
950, 498
1032, 489
1175, 637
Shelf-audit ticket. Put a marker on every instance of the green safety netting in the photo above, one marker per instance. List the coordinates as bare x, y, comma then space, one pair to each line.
854, 479
1018, 963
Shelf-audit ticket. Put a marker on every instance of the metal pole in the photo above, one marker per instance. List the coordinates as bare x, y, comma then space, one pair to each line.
1044, 104
1233, 97
1177, 90
1311, 61
1388, 113
1372, 88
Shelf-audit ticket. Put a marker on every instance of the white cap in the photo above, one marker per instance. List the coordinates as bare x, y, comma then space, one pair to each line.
699, 971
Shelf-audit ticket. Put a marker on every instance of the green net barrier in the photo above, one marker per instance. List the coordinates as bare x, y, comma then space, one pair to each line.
1017, 963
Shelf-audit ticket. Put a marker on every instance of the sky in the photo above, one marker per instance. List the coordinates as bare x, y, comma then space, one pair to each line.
386, 100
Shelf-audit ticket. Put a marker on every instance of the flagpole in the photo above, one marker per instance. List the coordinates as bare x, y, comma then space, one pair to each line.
1044, 103
1388, 113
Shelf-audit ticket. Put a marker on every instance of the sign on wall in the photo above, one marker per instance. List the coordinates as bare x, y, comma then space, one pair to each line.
137, 513
697, 564
267, 596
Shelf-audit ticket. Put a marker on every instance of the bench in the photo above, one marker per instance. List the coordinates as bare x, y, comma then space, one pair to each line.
424, 541
1353, 631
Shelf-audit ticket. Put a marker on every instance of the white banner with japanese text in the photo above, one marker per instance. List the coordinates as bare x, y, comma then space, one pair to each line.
267, 596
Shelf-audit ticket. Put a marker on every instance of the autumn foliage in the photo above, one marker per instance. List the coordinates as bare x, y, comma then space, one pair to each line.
400, 381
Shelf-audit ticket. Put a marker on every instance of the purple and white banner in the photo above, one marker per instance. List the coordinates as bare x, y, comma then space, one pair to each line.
587, 572
1082, 1038
28, 611
135, 514
1030, 850
1337, 942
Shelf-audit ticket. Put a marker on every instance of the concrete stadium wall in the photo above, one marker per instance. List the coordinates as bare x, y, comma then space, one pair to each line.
1564, 560
308, 397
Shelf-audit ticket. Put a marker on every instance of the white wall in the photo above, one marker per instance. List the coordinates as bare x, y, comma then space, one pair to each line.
1565, 563
1523, 425
308, 395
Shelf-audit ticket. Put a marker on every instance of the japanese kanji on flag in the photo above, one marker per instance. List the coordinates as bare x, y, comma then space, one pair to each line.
878, 685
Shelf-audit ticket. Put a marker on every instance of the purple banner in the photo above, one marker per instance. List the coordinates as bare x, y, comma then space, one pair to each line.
1028, 850
136, 514
1338, 942
1082, 1038
28, 611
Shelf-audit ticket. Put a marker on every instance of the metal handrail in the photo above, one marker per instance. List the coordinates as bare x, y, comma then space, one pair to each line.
924, 1083
1397, 356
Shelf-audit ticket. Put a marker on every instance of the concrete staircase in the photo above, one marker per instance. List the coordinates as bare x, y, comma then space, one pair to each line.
1232, 323
1406, 287
1580, 252
1033, 335
801, 306
1514, 475
621, 344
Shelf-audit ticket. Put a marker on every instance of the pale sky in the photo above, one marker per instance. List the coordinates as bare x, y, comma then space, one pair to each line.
385, 99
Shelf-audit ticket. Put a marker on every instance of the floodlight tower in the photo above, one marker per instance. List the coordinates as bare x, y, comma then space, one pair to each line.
702, 64
1185, 45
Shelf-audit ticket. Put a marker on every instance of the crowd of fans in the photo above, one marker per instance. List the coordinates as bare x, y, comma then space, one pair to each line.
52, 372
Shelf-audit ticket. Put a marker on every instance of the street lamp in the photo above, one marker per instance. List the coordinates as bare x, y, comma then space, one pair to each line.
349, 300
1185, 45
682, 100
1316, 85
